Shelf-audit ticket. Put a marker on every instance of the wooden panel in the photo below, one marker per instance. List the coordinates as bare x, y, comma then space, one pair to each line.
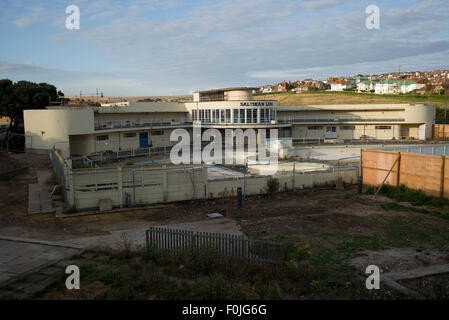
441, 131
421, 172
417, 171
376, 165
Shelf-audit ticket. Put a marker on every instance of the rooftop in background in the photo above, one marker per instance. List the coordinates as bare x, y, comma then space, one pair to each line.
225, 94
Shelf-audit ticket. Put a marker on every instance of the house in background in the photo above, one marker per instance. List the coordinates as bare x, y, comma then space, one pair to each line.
340, 85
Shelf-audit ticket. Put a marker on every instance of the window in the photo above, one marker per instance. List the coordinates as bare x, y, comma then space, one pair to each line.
102, 138
207, 115
242, 115
216, 115
236, 115
201, 115
222, 116
315, 127
273, 114
383, 127
228, 115
347, 127
262, 115
249, 117
254, 115
129, 135
157, 133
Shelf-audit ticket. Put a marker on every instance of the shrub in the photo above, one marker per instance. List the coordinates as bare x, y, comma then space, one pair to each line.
272, 185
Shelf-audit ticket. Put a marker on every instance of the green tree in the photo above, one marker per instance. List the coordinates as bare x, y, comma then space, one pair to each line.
22, 95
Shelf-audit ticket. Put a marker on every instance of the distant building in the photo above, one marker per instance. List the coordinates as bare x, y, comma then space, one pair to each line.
340, 85
396, 86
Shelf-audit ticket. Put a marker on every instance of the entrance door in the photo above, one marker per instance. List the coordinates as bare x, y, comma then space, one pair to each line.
331, 133
143, 139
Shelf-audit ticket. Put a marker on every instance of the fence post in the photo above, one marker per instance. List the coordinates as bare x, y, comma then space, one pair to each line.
443, 159
134, 189
205, 181
398, 177
120, 186
165, 182
147, 239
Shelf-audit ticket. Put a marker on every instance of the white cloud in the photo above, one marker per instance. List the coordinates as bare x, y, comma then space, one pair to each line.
229, 42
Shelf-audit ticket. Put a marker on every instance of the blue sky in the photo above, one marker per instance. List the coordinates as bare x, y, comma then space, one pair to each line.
174, 47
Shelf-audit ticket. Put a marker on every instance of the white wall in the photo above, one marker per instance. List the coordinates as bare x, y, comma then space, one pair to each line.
47, 128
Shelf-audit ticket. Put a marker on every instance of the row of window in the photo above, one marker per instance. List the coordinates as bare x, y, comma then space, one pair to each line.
130, 135
348, 127
237, 115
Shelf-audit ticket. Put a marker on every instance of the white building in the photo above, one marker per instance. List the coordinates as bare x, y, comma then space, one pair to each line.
78, 131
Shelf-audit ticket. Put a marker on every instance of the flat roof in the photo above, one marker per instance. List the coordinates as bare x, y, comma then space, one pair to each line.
228, 89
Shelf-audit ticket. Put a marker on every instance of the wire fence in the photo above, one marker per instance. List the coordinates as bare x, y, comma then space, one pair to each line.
227, 245
14, 142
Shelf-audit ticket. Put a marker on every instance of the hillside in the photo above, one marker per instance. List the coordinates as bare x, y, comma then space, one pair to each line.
325, 97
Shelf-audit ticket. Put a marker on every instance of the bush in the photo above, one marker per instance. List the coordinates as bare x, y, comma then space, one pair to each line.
272, 185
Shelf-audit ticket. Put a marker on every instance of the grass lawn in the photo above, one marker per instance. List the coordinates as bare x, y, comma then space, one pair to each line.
343, 97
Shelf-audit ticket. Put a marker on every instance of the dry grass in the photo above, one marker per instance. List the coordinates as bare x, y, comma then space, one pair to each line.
340, 98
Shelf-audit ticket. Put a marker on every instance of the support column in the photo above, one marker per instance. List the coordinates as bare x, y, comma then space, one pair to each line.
397, 131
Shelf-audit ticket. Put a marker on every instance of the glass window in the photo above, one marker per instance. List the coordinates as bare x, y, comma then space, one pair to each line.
228, 115
236, 115
262, 115
249, 117
217, 115
254, 115
208, 116
101, 138
129, 135
273, 114
222, 116
242, 115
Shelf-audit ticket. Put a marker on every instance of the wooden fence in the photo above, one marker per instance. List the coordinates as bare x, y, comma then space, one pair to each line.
228, 245
441, 131
425, 172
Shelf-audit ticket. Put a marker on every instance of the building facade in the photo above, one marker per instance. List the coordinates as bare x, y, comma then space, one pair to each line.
78, 131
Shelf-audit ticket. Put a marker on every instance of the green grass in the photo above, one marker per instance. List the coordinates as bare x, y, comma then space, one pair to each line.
415, 197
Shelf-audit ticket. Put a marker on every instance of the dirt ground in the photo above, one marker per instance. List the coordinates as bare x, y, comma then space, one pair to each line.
345, 230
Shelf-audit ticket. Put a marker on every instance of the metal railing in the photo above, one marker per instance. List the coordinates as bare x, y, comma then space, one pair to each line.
228, 245
336, 120
119, 124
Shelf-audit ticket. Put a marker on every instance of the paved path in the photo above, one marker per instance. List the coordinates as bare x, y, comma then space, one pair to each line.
22, 256
136, 237
39, 197
19, 257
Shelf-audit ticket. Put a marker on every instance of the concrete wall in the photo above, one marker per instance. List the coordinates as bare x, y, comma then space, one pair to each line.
131, 186
46, 128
